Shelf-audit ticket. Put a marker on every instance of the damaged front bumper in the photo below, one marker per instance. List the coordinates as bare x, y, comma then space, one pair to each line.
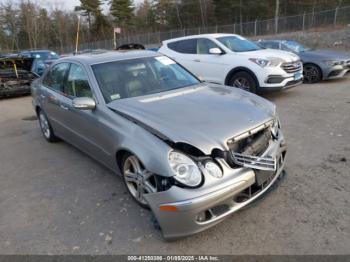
181, 211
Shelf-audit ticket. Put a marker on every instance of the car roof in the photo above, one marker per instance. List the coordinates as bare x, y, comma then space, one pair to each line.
274, 40
108, 56
36, 51
198, 36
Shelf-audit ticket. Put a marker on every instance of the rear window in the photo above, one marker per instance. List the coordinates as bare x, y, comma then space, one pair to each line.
188, 46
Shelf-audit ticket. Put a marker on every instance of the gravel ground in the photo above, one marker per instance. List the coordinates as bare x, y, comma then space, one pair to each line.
56, 200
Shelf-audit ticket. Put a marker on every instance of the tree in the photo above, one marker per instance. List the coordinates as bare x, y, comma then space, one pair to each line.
144, 18
96, 20
123, 13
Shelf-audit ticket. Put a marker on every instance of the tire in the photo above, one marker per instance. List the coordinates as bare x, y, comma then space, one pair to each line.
137, 179
312, 74
243, 80
46, 128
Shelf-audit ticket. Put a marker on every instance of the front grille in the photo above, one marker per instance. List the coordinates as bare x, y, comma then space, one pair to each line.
247, 149
256, 162
292, 67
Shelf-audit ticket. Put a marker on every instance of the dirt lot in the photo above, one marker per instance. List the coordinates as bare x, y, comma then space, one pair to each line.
56, 200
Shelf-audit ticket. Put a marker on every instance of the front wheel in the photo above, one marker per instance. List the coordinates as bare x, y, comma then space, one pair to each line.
243, 80
138, 180
312, 74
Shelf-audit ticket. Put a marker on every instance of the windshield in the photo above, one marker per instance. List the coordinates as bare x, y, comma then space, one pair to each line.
45, 55
141, 76
295, 46
238, 44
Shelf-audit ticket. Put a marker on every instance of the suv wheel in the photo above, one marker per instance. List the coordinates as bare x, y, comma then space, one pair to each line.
46, 128
137, 179
312, 73
243, 80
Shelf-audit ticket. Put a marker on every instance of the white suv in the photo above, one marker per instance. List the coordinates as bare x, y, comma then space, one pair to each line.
233, 60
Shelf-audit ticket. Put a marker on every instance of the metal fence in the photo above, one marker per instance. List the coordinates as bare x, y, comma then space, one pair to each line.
302, 22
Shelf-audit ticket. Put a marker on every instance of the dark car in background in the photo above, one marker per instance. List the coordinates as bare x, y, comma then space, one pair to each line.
42, 59
318, 64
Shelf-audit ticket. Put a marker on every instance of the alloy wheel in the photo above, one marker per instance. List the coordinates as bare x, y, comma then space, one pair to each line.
138, 180
311, 74
242, 83
44, 125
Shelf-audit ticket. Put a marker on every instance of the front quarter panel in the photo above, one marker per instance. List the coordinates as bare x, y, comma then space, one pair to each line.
130, 137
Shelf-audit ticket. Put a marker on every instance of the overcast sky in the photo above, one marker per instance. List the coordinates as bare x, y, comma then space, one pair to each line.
68, 4
62, 4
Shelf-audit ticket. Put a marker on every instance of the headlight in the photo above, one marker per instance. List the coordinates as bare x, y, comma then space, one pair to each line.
213, 169
260, 62
275, 127
186, 171
271, 61
333, 62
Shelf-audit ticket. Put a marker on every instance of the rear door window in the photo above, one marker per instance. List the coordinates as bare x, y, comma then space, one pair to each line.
273, 45
188, 46
55, 78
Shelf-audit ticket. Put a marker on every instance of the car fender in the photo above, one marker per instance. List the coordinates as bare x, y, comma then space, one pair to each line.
151, 149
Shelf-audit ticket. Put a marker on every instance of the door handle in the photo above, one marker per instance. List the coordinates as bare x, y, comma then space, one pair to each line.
196, 60
64, 107
43, 96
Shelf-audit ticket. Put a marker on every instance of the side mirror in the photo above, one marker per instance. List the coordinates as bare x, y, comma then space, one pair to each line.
84, 103
215, 51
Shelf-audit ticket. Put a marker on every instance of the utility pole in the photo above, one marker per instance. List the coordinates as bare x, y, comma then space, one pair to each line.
77, 36
277, 11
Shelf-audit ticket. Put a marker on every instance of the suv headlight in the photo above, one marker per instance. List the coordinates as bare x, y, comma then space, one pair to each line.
260, 62
271, 61
185, 169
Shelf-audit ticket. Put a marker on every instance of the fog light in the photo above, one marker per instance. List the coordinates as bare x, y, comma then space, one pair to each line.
213, 169
201, 217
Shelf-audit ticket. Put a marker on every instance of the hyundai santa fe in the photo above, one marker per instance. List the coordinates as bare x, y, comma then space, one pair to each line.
232, 60
192, 152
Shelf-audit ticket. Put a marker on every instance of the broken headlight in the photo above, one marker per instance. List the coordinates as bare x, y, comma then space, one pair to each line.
185, 169
275, 127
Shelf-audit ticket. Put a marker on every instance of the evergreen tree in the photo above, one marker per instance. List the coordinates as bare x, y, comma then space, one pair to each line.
122, 12
98, 24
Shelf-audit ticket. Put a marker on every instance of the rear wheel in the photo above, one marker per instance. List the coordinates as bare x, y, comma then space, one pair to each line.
312, 73
46, 128
138, 180
243, 80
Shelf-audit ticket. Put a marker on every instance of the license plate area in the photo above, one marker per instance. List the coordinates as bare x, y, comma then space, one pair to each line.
298, 76
261, 176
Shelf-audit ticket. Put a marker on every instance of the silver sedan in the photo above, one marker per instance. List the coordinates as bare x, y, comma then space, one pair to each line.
191, 151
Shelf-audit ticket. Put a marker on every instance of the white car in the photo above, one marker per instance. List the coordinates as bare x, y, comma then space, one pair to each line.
233, 60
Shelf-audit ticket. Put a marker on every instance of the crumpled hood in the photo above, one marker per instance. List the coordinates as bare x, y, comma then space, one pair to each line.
326, 54
204, 116
269, 53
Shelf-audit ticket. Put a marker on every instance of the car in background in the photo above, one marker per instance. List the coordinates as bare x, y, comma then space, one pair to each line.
42, 59
318, 64
230, 59
15, 75
193, 152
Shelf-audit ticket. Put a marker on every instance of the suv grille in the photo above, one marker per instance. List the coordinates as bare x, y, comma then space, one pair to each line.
292, 67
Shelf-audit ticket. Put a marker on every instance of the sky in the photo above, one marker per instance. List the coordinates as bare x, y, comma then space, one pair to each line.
69, 4
61, 4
